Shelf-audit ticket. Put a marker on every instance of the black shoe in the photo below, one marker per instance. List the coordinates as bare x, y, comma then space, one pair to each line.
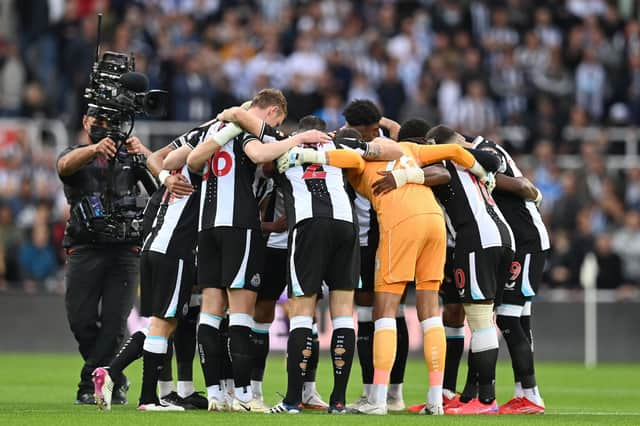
85, 398
174, 399
198, 400
120, 394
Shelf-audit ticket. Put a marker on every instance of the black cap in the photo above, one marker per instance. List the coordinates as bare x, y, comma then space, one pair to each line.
92, 111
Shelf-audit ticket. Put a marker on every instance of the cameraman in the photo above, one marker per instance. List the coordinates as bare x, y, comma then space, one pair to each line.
102, 266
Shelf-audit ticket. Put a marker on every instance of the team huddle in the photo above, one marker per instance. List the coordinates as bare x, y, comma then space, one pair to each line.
246, 213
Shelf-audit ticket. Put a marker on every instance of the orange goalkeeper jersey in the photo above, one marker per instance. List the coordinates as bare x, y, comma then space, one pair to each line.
411, 199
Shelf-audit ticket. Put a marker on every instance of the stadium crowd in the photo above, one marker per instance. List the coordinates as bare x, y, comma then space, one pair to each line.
474, 65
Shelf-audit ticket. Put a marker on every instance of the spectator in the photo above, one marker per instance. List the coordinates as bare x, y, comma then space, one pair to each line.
391, 92
590, 85
306, 63
609, 264
563, 211
632, 190
331, 111
192, 92
508, 82
500, 36
549, 34
449, 95
546, 175
12, 80
626, 243
533, 57
554, 80
421, 105
37, 260
476, 111
269, 62
561, 262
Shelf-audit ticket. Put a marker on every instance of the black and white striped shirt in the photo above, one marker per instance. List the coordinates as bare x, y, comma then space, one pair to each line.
315, 190
526, 222
228, 194
472, 216
174, 229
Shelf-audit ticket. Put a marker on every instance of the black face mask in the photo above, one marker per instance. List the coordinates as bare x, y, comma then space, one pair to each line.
97, 133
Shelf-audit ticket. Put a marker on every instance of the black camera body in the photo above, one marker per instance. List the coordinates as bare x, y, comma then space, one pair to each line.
118, 93
92, 223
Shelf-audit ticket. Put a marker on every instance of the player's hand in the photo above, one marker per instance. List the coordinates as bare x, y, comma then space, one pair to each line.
296, 157
105, 148
538, 199
489, 181
312, 137
287, 160
280, 225
386, 183
178, 186
135, 146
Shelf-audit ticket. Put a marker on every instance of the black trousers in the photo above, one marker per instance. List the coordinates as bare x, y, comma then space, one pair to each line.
101, 286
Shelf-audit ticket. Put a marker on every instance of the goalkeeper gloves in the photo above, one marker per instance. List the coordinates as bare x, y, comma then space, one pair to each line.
408, 175
298, 156
489, 181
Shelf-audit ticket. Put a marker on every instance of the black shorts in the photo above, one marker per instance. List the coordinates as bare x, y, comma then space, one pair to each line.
523, 278
367, 267
230, 258
323, 249
481, 275
448, 290
274, 279
165, 284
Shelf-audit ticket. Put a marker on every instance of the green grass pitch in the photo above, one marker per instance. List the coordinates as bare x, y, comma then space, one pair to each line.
38, 389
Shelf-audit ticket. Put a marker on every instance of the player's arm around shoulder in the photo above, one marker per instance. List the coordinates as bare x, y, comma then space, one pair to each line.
428, 154
382, 149
435, 175
345, 159
214, 140
259, 152
176, 158
520, 186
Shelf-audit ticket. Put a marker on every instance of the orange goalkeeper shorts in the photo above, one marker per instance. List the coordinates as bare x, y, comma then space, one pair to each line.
414, 249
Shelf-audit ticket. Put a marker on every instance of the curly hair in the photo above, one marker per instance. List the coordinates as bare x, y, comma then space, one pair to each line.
361, 112
413, 128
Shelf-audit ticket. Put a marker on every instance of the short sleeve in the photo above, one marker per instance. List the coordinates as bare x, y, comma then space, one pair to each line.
248, 137
62, 154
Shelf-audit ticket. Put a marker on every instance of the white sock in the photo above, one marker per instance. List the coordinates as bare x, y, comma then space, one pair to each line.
434, 396
308, 388
395, 391
448, 394
243, 393
533, 395
378, 394
229, 386
517, 392
215, 392
368, 388
165, 388
256, 387
185, 388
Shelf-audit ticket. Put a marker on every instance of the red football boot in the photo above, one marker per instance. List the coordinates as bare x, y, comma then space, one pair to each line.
473, 407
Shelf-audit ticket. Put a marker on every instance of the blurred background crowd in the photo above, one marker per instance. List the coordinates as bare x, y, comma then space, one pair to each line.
550, 68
